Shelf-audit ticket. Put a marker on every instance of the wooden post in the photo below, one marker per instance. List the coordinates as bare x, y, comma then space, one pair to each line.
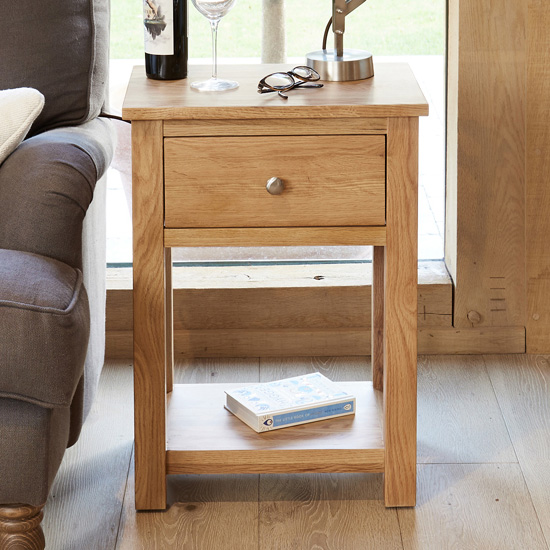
273, 31
149, 315
538, 171
485, 219
20, 527
400, 312
169, 308
377, 315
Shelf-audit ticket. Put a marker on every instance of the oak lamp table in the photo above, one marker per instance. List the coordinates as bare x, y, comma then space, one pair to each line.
342, 166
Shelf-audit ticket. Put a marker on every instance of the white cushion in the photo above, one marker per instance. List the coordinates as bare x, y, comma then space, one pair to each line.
19, 108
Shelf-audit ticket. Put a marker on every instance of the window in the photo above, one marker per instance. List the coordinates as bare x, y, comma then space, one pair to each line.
392, 30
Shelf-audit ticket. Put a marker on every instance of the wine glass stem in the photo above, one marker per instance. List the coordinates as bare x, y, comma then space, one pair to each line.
214, 27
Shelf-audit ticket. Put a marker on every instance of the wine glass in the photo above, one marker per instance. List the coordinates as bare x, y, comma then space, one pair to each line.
214, 10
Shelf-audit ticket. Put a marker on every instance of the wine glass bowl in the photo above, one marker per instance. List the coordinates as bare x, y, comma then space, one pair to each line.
214, 10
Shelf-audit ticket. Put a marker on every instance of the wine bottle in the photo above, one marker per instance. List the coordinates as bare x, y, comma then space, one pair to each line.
165, 31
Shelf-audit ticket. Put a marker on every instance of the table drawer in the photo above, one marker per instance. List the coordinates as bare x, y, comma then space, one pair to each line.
221, 181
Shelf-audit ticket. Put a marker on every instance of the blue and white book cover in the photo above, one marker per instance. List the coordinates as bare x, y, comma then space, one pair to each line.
288, 402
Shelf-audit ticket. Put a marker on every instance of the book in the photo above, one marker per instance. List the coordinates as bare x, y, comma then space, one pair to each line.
289, 402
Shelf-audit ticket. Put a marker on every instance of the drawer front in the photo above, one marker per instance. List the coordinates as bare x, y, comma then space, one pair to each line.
328, 181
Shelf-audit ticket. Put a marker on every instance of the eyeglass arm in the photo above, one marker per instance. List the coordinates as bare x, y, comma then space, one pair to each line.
341, 8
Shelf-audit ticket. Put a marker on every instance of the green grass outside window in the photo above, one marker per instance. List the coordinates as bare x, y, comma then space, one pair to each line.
383, 27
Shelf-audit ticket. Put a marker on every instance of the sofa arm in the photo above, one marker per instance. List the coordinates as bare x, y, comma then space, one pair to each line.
47, 185
94, 256
94, 263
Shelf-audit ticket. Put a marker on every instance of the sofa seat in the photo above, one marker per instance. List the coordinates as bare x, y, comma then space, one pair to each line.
44, 316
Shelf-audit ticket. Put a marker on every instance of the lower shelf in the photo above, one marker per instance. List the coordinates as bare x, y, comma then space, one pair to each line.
203, 437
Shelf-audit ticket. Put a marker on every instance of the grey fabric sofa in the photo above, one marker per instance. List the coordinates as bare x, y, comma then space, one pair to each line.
52, 250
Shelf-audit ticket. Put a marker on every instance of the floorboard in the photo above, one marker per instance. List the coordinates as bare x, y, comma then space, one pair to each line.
204, 512
483, 476
83, 510
342, 369
318, 511
459, 419
522, 386
471, 507
206, 370
326, 512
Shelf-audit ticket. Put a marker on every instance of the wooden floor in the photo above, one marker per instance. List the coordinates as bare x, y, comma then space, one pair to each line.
483, 471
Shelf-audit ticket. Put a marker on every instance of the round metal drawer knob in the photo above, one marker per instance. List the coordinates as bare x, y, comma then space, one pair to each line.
275, 186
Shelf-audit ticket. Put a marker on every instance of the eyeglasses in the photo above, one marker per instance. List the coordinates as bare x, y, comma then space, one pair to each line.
299, 77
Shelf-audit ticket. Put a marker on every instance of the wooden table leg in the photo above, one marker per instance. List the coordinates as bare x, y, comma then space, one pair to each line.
377, 323
400, 334
169, 308
149, 315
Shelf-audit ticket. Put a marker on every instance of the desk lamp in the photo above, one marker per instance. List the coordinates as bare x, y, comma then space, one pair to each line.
341, 64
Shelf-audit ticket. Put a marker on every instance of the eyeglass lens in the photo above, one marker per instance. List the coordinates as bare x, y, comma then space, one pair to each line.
279, 81
306, 73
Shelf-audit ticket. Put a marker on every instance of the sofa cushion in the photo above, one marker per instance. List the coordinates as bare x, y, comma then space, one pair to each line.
62, 49
18, 110
44, 328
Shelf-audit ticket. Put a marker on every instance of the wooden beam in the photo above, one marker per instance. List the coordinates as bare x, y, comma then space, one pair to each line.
283, 236
324, 342
309, 309
538, 174
486, 161
284, 296
287, 310
294, 127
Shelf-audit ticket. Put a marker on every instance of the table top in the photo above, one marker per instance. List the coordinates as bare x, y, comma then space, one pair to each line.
391, 92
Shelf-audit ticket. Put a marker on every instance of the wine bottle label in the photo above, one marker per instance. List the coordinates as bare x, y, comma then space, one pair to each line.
158, 21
